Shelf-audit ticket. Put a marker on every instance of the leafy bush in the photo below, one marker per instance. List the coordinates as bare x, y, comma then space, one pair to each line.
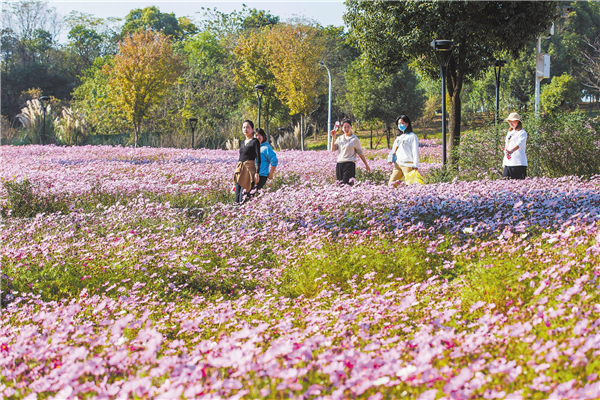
480, 154
376, 176
24, 200
562, 92
565, 144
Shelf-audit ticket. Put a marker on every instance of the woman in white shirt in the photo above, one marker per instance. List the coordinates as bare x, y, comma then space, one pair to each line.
347, 147
405, 151
515, 160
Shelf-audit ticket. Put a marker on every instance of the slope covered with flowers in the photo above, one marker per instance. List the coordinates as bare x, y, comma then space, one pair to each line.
137, 277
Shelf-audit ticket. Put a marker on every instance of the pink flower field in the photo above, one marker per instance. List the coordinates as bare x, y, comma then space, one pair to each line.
130, 273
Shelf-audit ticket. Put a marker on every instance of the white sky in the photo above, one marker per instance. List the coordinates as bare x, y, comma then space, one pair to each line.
324, 12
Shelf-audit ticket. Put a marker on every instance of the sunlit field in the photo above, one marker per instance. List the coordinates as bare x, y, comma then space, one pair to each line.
130, 273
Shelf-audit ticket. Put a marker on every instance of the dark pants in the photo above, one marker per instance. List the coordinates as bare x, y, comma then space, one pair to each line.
240, 196
261, 182
345, 171
519, 172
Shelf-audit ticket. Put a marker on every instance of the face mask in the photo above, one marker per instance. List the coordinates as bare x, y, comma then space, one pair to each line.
402, 127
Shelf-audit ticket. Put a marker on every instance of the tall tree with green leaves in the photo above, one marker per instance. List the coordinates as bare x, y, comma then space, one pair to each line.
383, 97
145, 68
141, 19
391, 33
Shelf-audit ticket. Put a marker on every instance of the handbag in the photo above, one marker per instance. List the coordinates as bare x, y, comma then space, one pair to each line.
414, 177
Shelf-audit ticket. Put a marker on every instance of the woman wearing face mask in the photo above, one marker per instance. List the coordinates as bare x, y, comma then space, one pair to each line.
246, 172
405, 151
515, 160
347, 147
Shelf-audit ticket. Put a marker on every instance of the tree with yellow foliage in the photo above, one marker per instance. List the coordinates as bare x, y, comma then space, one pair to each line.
294, 52
144, 69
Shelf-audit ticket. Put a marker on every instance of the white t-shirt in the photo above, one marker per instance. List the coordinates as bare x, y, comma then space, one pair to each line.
348, 148
514, 139
406, 148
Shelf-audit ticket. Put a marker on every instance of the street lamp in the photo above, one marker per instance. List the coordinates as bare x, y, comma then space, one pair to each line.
498, 64
193, 122
42, 100
329, 109
443, 54
259, 93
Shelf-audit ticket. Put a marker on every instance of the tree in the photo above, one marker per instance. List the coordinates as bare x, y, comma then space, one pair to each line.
31, 58
254, 66
143, 70
563, 91
150, 18
295, 50
390, 33
591, 65
209, 90
383, 97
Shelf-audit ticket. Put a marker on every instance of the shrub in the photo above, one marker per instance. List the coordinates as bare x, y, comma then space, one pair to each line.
565, 144
562, 92
480, 154
25, 202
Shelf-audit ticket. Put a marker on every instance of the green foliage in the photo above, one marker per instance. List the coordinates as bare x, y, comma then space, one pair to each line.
340, 265
480, 153
150, 18
566, 144
481, 32
562, 92
376, 176
440, 175
23, 200
374, 95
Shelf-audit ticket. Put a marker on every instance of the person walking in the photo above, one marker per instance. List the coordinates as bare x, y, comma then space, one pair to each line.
515, 159
268, 159
347, 147
246, 171
405, 151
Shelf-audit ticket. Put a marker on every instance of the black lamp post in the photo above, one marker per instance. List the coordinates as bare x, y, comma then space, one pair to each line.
498, 64
259, 93
43, 101
443, 54
193, 123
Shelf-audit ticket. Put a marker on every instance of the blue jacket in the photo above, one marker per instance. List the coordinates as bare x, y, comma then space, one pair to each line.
267, 158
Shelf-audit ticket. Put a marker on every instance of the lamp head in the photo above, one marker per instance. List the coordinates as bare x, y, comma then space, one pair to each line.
500, 63
193, 122
260, 87
44, 98
442, 45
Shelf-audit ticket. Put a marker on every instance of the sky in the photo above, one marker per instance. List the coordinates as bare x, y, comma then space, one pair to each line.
324, 12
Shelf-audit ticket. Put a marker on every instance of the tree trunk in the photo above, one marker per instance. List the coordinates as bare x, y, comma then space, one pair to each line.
136, 128
454, 83
301, 132
387, 135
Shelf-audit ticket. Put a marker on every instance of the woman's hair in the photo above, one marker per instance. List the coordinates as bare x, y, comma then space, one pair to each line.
249, 123
346, 121
262, 133
518, 128
407, 121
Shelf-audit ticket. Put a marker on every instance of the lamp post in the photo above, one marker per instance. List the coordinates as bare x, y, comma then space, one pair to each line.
259, 93
43, 100
498, 64
193, 123
443, 53
329, 108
